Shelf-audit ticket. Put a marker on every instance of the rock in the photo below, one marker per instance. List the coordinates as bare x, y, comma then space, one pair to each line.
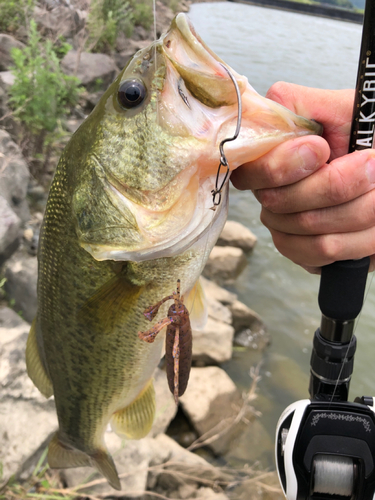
179, 469
14, 176
27, 419
90, 69
216, 292
217, 311
21, 272
73, 124
250, 330
166, 408
225, 264
9, 230
7, 78
213, 344
134, 458
237, 235
211, 403
64, 21
7, 43
205, 493
126, 48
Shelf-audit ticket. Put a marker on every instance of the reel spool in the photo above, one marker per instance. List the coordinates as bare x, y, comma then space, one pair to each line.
326, 451
334, 475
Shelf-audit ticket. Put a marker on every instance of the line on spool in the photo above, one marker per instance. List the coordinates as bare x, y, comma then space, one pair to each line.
333, 475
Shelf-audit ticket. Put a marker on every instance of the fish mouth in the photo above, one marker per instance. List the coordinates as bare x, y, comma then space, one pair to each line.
210, 95
203, 72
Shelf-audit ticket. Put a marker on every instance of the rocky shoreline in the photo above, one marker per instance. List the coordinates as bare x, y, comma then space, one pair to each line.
215, 412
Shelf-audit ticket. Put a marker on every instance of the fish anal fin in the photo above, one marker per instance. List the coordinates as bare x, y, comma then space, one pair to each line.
34, 365
135, 421
196, 303
64, 457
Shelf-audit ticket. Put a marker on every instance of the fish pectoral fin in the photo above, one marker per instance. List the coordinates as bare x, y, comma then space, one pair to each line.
110, 304
34, 365
196, 303
62, 457
135, 421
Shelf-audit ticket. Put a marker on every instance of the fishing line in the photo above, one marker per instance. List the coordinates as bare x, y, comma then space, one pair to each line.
223, 163
354, 331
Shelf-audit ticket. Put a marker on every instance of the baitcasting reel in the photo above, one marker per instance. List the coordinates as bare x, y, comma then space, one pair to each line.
325, 447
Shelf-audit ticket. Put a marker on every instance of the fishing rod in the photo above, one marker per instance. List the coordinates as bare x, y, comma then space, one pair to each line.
325, 445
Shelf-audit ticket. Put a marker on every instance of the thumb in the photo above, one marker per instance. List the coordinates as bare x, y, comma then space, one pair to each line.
332, 108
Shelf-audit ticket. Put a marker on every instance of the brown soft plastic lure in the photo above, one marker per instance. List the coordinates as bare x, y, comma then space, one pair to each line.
178, 341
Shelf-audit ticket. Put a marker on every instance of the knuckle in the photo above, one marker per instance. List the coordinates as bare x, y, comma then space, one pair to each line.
328, 247
339, 190
279, 92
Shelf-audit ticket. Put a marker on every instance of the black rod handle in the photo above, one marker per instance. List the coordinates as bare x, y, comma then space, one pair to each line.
342, 284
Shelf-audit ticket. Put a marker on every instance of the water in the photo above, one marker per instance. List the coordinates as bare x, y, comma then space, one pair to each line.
269, 45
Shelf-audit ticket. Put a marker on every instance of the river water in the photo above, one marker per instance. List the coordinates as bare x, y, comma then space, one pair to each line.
269, 45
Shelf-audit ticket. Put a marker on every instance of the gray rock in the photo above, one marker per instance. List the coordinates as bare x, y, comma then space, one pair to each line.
205, 493
27, 419
211, 404
90, 68
59, 19
21, 272
9, 230
127, 48
216, 292
217, 311
249, 327
178, 468
14, 176
237, 235
7, 43
134, 458
225, 264
166, 408
213, 344
7, 78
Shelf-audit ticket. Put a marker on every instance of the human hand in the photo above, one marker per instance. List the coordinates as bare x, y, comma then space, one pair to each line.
317, 212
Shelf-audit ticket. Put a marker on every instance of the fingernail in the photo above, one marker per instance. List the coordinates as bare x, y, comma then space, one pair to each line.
370, 170
308, 158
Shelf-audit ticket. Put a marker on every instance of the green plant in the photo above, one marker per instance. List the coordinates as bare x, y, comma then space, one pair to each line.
14, 13
41, 92
107, 18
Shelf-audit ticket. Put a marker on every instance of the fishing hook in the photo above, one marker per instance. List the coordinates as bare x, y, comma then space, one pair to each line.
223, 159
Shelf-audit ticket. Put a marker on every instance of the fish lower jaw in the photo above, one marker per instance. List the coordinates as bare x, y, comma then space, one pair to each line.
182, 236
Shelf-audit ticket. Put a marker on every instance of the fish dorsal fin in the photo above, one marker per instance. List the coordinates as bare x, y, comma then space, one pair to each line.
196, 303
111, 303
135, 421
34, 365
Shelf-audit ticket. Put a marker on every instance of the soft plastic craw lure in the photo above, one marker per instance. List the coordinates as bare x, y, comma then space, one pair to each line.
178, 341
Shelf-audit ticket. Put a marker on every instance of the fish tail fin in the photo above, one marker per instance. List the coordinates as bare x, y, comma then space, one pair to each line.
61, 456
103, 461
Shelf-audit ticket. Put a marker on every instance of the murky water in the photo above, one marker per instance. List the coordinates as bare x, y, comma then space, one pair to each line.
269, 45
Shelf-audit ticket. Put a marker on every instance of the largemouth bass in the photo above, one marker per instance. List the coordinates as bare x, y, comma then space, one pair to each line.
127, 215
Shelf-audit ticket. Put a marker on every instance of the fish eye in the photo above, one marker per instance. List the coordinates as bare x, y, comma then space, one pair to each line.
131, 93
